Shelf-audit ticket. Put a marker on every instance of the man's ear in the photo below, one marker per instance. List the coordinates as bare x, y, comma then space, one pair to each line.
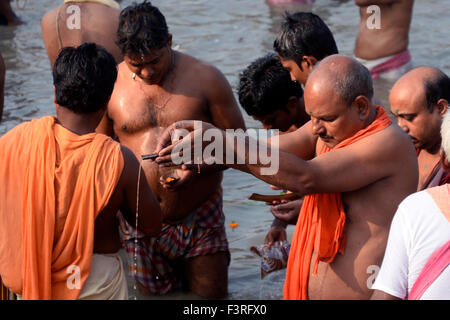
308, 62
363, 107
444, 161
169, 40
54, 95
442, 106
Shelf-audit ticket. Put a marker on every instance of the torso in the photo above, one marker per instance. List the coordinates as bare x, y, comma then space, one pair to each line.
141, 112
391, 38
369, 212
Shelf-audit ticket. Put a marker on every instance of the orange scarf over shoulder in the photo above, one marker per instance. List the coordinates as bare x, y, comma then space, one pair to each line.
320, 226
54, 184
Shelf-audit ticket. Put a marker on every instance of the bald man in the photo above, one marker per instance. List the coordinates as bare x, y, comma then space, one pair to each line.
419, 100
78, 21
382, 40
354, 167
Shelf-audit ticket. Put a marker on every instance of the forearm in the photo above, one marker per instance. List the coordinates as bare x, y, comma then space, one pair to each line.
276, 167
277, 223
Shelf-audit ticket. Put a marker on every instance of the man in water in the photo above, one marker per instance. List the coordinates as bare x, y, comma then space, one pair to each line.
354, 167
157, 86
304, 39
415, 264
419, 101
63, 187
267, 93
383, 48
79, 21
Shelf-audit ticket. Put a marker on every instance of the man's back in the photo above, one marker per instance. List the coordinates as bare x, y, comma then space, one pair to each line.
392, 35
75, 23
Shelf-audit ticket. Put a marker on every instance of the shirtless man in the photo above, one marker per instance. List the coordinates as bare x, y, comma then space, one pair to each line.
267, 93
157, 86
419, 101
2, 85
383, 49
304, 40
79, 21
87, 178
370, 176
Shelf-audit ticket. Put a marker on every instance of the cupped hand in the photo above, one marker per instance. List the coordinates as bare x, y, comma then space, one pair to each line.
287, 211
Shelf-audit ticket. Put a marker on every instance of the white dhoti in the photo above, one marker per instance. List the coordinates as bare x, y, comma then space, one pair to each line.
107, 279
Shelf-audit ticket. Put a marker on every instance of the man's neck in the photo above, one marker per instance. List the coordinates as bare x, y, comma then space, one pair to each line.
79, 124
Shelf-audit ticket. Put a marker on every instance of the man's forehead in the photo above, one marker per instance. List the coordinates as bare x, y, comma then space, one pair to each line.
146, 57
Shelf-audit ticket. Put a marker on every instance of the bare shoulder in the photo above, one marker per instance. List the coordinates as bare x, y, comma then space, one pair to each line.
393, 140
48, 21
203, 71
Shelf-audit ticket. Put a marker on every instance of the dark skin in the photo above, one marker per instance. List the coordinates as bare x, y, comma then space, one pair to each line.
370, 192
98, 23
152, 92
410, 108
106, 236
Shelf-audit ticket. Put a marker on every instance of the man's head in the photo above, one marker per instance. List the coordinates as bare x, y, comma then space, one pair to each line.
419, 100
84, 78
144, 39
338, 98
445, 147
303, 40
268, 94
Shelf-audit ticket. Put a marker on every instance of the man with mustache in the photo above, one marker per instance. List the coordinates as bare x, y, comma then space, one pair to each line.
419, 100
354, 167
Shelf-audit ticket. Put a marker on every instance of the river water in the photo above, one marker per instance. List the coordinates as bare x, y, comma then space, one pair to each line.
228, 34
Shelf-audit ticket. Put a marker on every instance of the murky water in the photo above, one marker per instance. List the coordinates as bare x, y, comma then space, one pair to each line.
229, 34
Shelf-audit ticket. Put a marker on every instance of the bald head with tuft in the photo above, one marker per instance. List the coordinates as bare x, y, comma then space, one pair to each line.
344, 76
424, 85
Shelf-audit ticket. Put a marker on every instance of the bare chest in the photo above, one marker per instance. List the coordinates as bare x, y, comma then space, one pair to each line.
134, 110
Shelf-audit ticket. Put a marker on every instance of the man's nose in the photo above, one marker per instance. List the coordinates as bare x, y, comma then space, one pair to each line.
402, 124
317, 127
147, 72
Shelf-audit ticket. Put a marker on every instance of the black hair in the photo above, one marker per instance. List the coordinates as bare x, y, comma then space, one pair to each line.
304, 34
437, 87
84, 78
142, 28
265, 86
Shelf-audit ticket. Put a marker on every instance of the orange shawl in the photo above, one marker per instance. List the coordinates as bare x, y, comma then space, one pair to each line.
320, 226
55, 183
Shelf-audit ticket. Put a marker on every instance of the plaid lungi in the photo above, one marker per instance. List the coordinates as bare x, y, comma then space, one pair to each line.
5, 294
200, 233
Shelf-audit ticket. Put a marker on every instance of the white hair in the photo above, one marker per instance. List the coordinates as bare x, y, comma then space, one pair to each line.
445, 134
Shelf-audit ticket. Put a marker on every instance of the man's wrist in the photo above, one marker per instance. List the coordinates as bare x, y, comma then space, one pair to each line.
277, 223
